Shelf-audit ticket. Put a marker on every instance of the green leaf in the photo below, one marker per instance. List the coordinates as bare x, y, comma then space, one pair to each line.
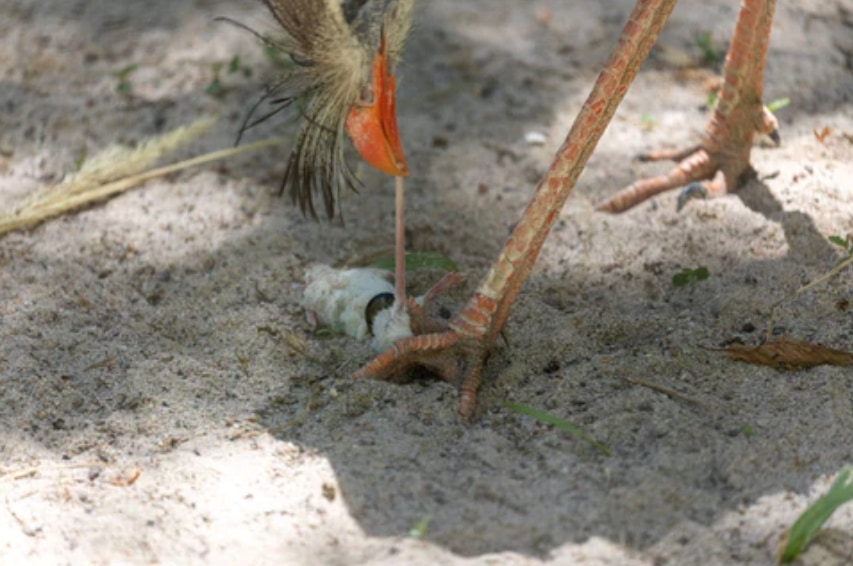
125, 72
839, 241
276, 55
550, 419
123, 86
747, 431
420, 529
710, 55
779, 103
214, 88
812, 519
712, 99
689, 276
78, 163
648, 121
234, 65
418, 260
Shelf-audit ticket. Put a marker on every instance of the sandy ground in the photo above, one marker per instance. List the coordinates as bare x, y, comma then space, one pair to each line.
159, 337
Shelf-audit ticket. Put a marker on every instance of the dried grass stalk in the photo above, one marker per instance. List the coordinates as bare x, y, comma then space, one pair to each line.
115, 170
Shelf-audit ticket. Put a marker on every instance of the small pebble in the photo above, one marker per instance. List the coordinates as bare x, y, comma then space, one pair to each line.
535, 138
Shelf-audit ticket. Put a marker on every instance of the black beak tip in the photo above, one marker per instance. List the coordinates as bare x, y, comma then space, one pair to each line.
775, 137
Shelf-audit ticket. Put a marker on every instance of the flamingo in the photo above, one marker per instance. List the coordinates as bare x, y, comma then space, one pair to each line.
345, 52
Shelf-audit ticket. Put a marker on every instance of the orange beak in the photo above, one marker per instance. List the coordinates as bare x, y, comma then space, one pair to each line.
373, 127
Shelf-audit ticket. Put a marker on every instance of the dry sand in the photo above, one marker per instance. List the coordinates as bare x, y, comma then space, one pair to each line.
160, 335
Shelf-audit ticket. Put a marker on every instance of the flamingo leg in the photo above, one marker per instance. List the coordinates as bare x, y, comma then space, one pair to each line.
458, 353
719, 164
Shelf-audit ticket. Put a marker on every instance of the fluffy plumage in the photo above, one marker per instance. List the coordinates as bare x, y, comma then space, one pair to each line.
333, 44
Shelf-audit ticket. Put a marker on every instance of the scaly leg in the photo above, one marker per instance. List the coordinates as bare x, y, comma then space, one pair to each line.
717, 166
459, 353
399, 242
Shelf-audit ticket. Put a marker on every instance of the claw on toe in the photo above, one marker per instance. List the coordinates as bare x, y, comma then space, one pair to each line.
769, 126
706, 170
775, 137
692, 191
693, 166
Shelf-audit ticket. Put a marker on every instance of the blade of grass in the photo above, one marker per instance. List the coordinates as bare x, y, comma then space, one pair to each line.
550, 419
419, 531
844, 264
778, 104
812, 519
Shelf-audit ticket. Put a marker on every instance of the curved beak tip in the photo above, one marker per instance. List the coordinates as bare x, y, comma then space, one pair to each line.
373, 127
375, 137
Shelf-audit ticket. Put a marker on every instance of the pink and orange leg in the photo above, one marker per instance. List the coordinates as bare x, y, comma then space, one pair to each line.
718, 164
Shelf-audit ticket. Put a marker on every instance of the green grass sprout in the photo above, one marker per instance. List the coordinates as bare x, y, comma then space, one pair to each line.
648, 121
778, 104
419, 531
804, 529
846, 262
80, 161
844, 243
710, 54
235, 66
550, 419
689, 276
711, 101
276, 56
123, 75
214, 87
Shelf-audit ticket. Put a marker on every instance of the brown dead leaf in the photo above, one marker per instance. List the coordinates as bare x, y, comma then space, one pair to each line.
543, 16
126, 479
712, 82
707, 78
674, 57
823, 133
788, 353
296, 343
